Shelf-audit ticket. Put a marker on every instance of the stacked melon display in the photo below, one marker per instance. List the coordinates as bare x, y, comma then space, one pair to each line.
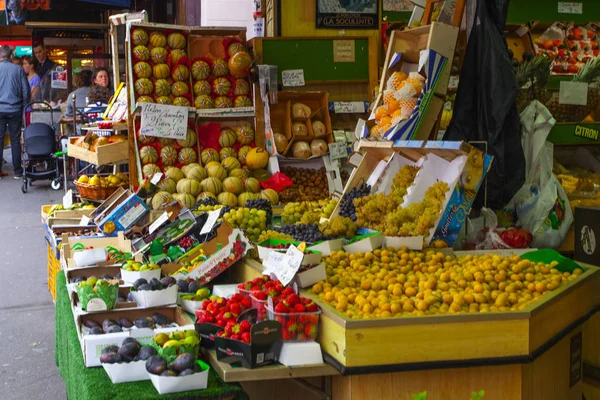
222, 82
160, 67
230, 175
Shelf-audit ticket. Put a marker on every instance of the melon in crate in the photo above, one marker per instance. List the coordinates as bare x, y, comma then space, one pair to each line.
239, 64
239, 173
166, 141
252, 185
145, 139
223, 102
149, 170
174, 173
161, 71
186, 168
204, 101
167, 185
143, 86
185, 199
233, 185
160, 200
234, 48
197, 173
189, 186
163, 100
142, 70
227, 152
168, 156
177, 55
212, 185
145, 99
220, 68
190, 139
162, 87
206, 195
159, 55
230, 163
200, 70
242, 87
216, 171
141, 52
242, 101
202, 87
211, 163
245, 134
187, 156
271, 195
227, 137
176, 41
221, 86
139, 37
227, 199
257, 158
148, 155
242, 153
180, 89
158, 39
209, 155
181, 101
180, 73
245, 197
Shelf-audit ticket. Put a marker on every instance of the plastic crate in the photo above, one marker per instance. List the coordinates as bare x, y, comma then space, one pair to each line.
298, 327
260, 306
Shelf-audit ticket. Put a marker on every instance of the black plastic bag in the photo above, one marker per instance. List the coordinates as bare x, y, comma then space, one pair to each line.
485, 108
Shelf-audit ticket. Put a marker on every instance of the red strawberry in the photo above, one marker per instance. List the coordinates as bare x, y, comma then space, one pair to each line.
246, 304
310, 331
299, 308
293, 299
312, 307
281, 308
246, 337
287, 291
236, 336
260, 295
245, 326
221, 333
236, 308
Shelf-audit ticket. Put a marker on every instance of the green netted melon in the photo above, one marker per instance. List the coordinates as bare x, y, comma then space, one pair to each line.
270, 195
233, 185
190, 139
160, 200
167, 185
252, 185
197, 172
186, 199
174, 173
231, 163
212, 185
168, 156
227, 199
217, 171
209, 155
189, 186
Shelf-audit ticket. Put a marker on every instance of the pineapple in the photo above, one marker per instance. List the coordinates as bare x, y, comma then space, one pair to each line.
532, 77
589, 73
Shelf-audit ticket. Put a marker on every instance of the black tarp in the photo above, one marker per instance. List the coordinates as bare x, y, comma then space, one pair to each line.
485, 108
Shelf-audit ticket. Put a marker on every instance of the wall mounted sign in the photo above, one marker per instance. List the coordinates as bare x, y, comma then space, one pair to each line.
347, 14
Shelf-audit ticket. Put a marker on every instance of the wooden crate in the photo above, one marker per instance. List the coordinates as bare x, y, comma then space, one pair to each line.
108, 154
362, 345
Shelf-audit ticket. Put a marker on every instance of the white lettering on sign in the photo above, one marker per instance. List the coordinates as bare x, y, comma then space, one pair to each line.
293, 77
349, 107
570, 8
161, 120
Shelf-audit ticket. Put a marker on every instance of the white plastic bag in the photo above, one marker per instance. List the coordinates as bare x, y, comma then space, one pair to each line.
541, 204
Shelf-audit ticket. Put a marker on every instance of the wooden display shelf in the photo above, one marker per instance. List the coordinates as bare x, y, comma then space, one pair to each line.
268, 372
112, 153
413, 343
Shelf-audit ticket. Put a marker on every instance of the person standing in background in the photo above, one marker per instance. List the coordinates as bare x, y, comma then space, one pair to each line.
45, 72
16, 60
15, 94
30, 69
102, 78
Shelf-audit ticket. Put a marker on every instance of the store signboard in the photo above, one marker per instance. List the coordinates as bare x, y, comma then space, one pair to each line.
22, 47
348, 14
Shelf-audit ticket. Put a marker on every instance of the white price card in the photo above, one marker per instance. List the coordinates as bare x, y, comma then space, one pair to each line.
570, 8
156, 178
574, 93
85, 220
158, 223
258, 28
273, 262
292, 77
290, 265
349, 107
165, 121
68, 199
453, 82
338, 150
211, 220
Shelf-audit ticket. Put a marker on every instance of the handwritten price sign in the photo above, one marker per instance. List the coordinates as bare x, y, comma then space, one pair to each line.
292, 77
164, 121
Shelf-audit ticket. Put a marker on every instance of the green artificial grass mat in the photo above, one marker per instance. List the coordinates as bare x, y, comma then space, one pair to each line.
93, 383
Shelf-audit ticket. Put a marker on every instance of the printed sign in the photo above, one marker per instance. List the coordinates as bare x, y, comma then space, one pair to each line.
570, 8
59, 79
343, 51
259, 27
292, 77
164, 121
586, 132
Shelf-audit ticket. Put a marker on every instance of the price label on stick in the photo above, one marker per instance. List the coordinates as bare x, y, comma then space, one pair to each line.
68, 199
211, 220
85, 220
165, 121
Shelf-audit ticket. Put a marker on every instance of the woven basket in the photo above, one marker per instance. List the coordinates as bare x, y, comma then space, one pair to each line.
94, 192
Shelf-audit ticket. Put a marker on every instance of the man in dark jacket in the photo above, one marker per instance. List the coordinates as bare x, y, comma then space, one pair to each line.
15, 94
45, 72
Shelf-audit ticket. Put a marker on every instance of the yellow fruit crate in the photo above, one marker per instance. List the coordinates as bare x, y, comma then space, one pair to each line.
53, 268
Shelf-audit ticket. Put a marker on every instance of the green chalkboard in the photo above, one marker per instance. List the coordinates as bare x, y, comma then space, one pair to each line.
315, 57
396, 16
523, 11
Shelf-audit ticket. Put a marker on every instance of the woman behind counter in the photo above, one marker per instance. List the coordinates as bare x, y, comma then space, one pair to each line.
30, 66
82, 81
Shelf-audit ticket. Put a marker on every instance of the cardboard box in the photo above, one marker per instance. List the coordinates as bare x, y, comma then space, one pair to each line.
460, 165
123, 216
163, 234
155, 298
328, 246
228, 247
119, 243
438, 37
92, 345
587, 235
311, 276
108, 154
175, 384
264, 348
131, 276
76, 305
364, 243
96, 271
127, 372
